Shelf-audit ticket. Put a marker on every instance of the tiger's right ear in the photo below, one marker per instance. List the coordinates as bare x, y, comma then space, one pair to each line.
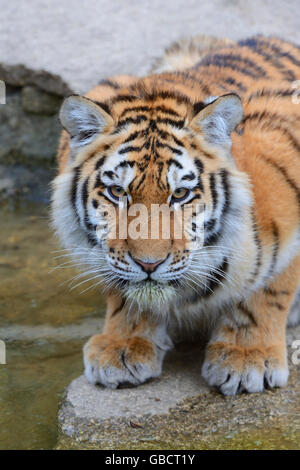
83, 119
219, 118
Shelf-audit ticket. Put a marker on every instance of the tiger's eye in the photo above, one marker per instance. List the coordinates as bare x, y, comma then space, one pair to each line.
117, 192
180, 193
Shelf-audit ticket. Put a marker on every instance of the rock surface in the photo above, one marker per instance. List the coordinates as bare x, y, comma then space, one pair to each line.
29, 134
19, 75
178, 410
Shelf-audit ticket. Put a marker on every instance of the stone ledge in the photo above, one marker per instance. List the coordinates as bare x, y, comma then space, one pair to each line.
178, 410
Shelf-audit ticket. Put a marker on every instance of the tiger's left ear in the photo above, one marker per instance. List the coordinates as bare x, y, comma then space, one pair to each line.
219, 118
83, 119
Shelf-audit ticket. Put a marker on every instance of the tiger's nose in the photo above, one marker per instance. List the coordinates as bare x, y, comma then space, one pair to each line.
149, 267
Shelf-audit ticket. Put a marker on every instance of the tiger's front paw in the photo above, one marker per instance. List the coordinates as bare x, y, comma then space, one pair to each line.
234, 369
111, 361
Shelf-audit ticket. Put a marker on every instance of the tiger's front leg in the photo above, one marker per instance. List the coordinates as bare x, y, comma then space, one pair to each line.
125, 352
247, 351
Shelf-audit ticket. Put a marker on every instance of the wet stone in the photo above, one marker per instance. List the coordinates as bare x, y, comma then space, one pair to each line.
179, 411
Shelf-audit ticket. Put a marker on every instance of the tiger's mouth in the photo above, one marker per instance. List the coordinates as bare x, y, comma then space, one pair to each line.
150, 294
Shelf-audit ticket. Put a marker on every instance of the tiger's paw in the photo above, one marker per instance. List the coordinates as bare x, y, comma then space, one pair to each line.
112, 362
233, 369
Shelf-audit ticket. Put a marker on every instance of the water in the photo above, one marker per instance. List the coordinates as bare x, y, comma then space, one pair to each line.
44, 326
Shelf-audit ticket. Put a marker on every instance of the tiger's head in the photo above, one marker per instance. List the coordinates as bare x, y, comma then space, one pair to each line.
145, 149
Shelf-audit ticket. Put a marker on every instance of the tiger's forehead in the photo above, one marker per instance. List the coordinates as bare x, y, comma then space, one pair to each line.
151, 148
151, 103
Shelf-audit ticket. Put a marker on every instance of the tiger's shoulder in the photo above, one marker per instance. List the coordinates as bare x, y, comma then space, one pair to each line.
235, 66
187, 52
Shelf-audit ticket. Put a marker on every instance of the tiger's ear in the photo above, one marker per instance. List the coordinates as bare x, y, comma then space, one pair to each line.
219, 118
83, 119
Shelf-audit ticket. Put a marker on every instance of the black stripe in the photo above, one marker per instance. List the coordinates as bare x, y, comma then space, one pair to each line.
276, 305
197, 196
125, 98
259, 46
188, 75
214, 193
210, 224
130, 120
247, 312
179, 97
110, 174
178, 124
258, 244
118, 309
84, 198
189, 177
275, 251
225, 184
163, 145
104, 106
125, 164
273, 117
213, 238
172, 161
269, 93
99, 163
166, 135
130, 149
100, 193
166, 110
200, 168
135, 109
280, 53
198, 107
235, 62
141, 181
199, 165
287, 178
260, 115
132, 136
110, 83
274, 293
233, 82
92, 239
213, 284
75, 181
178, 142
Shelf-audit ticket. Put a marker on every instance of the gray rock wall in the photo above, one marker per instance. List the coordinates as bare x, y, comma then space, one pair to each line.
29, 132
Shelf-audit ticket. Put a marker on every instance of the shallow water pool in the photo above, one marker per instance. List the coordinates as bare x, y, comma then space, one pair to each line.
44, 325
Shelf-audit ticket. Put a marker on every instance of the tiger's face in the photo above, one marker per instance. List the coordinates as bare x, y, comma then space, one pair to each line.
134, 172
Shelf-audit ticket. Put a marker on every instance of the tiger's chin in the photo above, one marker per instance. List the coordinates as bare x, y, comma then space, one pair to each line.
150, 296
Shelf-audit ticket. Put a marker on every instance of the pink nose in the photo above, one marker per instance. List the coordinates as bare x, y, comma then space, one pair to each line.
149, 267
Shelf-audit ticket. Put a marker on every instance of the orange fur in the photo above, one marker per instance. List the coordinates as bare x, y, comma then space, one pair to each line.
248, 345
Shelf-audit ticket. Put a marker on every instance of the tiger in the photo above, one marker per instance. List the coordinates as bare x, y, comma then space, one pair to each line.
210, 127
